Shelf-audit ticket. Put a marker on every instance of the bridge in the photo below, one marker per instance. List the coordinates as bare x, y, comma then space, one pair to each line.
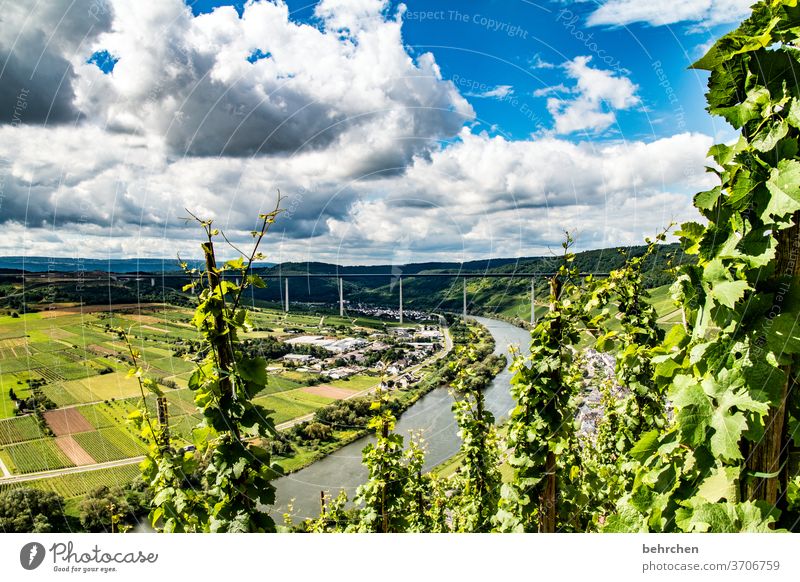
52, 277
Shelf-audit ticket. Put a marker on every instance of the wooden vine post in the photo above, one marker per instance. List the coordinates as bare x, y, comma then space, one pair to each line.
547, 502
769, 456
220, 340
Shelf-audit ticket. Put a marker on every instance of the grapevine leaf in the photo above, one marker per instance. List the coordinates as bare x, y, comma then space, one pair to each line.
729, 292
784, 185
721, 484
783, 336
648, 444
693, 409
708, 199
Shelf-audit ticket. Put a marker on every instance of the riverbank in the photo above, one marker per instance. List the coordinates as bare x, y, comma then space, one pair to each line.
306, 449
431, 417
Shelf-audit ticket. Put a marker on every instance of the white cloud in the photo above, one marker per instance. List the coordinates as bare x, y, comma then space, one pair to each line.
545, 91
481, 196
488, 196
188, 81
339, 117
536, 62
705, 12
41, 45
498, 92
597, 94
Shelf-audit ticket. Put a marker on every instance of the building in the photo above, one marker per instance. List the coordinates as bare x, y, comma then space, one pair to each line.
298, 358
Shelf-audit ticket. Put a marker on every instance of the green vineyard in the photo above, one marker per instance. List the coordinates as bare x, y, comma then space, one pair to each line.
35, 456
17, 430
72, 485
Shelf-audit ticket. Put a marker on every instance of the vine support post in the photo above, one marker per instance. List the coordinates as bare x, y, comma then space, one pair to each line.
533, 301
220, 341
286, 294
547, 502
768, 456
162, 412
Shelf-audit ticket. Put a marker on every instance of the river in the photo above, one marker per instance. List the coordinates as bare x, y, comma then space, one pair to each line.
431, 414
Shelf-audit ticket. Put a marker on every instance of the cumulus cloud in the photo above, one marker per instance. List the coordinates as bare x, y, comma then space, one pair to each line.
479, 196
596, 95
704, 12
190, 80
488, 194
41, 44
213, 113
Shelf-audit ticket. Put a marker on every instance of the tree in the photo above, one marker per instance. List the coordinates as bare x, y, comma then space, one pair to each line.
317, 431
104, 508
31, 511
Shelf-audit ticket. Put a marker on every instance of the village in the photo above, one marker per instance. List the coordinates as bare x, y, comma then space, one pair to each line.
389, 354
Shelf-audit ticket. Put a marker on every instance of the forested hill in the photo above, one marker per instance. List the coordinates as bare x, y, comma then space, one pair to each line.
503, 295
500, 294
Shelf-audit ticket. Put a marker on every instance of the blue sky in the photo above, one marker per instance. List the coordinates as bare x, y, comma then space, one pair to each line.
495, 43
425, 130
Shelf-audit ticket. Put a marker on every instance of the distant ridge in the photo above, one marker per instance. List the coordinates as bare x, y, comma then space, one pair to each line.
66, 265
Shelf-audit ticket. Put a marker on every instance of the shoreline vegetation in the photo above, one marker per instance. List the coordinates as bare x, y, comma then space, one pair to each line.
310, 449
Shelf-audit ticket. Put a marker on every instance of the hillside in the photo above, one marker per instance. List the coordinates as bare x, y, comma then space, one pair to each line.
508, 296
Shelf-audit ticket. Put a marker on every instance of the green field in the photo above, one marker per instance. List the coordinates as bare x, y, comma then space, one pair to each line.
7, 382
73, 485
17, 430
34, 456
84, 364
110, 444
279, 384
358, 382
291, 404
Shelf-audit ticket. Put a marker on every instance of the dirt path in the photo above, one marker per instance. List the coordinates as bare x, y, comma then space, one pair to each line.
3, 469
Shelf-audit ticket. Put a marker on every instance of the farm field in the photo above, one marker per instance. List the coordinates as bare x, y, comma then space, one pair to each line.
79, 365
73, 485
33, 456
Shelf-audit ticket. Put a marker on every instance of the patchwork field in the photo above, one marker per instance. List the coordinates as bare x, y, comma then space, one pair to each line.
78, 364
34, 456
17, 430
73, 485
